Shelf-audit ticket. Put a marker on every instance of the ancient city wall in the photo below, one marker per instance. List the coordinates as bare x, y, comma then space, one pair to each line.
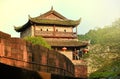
19, 53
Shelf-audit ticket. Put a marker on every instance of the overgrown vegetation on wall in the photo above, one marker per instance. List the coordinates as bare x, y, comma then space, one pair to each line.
38, 41
104, 56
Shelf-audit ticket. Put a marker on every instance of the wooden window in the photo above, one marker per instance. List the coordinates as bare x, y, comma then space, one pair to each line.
64, 30
41, 29
56, 30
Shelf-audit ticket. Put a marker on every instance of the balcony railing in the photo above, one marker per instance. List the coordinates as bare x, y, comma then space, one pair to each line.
55, 34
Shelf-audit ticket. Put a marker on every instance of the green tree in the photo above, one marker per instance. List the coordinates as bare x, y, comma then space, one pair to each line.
104, 50
110, 69
38, 41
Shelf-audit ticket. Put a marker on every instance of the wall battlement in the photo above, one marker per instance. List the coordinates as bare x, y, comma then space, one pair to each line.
4, 35
17, 52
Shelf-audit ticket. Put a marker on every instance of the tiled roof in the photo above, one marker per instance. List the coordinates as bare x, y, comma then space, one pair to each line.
51, 12
67, 43
41, 20
55, 22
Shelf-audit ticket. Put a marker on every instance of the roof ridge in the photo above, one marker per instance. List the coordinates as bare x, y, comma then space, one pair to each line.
50, 12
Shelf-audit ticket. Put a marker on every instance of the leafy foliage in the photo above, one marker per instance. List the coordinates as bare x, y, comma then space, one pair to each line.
38, 41
110, 69
103, 36
103, 59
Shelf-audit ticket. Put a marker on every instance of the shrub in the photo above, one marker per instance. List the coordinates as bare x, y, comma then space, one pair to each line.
38, 41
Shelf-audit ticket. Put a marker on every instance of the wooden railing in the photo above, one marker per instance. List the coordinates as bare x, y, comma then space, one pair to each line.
55, 34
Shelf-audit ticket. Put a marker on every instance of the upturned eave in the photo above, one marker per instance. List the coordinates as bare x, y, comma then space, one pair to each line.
56, 22
67, 23
23, 27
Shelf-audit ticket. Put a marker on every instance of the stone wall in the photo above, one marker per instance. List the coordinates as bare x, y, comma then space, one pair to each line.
11, 72
81, 71
19, 53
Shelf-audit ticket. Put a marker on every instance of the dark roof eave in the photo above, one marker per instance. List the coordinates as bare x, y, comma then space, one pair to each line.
47, 21
22, 28
69, 45
56, 22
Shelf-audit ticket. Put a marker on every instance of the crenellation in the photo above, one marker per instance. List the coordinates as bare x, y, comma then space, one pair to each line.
38, 54
4, 35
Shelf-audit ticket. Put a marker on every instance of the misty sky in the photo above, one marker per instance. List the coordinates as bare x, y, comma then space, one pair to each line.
94, 13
